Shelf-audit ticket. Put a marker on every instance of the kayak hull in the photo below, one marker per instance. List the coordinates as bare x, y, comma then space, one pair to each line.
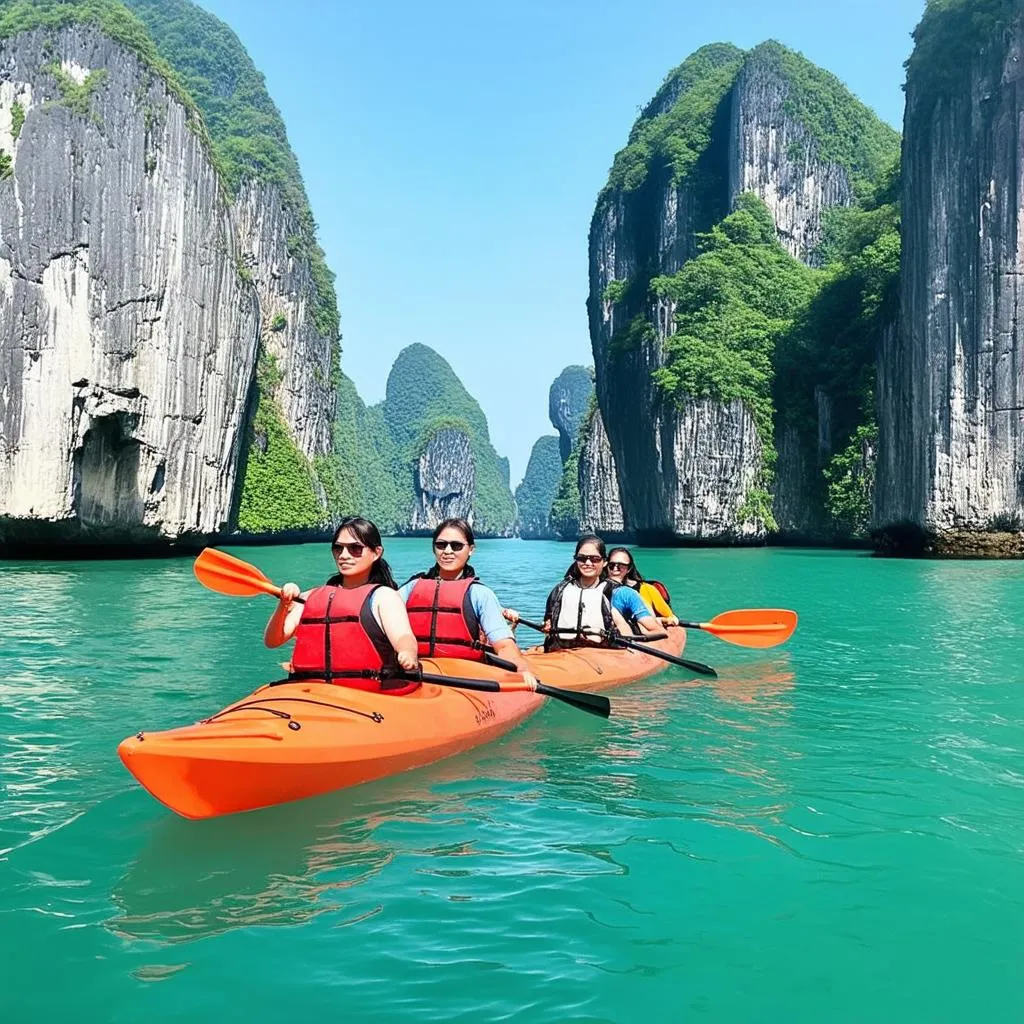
297, 740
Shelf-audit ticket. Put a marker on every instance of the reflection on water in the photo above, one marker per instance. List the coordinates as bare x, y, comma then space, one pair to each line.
311, 858
300, 859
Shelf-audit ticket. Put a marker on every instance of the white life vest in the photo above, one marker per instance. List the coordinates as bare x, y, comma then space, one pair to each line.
587, 612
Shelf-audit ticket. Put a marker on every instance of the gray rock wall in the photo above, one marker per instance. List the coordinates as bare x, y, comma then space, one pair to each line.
774, 156
951, 380
568, 401
444, 481
282, 281
127, 335
600, 507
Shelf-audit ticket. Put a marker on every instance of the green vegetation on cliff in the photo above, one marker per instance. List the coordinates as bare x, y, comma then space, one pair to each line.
249, 137
567, 508
116, 21
377, 484
750, 321
534, 496
733, 303
423, 390
675, 128
279, 489
833, 344
953, 34
844, 130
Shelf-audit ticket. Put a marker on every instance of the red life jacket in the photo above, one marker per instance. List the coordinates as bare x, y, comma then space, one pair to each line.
338, 640
442, 619
661, 589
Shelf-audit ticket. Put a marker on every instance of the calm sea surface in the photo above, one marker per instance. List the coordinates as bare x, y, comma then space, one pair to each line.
833, 830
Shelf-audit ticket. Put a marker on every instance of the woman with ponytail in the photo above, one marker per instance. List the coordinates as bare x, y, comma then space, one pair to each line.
353, 630
453, 615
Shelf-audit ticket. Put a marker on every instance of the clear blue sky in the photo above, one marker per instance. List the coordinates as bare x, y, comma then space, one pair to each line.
453, 152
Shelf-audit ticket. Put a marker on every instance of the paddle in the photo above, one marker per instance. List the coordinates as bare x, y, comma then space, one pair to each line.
694, 666
226, 574
595, 703
750, 627
617, 638
219, 571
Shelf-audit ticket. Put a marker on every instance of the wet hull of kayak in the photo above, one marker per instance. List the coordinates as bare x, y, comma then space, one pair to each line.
298, 740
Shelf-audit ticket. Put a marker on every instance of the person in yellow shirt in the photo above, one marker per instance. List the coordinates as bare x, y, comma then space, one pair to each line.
622, 569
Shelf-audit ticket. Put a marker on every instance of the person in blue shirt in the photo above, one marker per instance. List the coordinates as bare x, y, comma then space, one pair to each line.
452, 613
586, 606
634, 610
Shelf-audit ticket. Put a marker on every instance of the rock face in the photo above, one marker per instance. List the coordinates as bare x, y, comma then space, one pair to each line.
444, 480
689, 470
303, 353
796, 506
423, 397
774, 155
951, 381
600, 507
568, 401
537, 490
168, 330
127, 334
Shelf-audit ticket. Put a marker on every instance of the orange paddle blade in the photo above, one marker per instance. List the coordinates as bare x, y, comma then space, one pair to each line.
226, 574
753, 627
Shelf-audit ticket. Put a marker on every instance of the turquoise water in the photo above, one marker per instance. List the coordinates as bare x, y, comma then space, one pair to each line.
832, 830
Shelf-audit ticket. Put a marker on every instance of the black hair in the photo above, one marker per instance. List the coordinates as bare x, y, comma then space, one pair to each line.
454, 523
573, 572
369, 535
632, 573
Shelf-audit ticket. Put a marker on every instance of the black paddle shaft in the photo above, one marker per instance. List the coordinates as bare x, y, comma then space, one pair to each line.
618, 639
595, 703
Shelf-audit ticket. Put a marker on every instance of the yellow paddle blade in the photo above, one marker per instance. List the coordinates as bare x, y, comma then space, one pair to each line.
226, 574
753, 627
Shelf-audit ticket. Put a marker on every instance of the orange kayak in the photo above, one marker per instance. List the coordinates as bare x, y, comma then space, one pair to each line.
297, 740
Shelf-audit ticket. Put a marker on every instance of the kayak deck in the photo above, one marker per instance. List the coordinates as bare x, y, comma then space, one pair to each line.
296, 740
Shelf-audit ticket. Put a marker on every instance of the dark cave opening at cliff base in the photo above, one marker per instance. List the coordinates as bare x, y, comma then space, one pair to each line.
106, 477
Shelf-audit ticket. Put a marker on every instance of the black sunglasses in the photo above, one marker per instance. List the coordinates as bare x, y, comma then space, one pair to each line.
455, 545
618, 565
355, 550
593, 559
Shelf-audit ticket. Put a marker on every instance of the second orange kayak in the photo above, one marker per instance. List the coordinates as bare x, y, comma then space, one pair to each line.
297, 740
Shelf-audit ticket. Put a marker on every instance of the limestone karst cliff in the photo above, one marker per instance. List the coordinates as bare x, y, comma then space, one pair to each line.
145, 271
424, 453
685, 389
537, 490
548, 497
568, 401
127, 334
951, 379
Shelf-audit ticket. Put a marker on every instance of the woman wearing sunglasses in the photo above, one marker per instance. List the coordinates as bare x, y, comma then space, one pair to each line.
453, 615
622, 569
586, 605
353, 630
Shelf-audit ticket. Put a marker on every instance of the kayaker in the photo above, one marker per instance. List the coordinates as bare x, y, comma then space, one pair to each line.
588, 603
622, 568
452, 613
354, 630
